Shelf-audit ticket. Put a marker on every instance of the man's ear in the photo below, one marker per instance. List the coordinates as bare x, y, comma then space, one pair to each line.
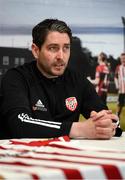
35, 51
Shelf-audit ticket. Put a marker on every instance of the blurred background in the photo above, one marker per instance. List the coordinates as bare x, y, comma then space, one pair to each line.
97, 26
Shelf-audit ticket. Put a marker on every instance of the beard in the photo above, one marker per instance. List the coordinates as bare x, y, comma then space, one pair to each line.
53, 70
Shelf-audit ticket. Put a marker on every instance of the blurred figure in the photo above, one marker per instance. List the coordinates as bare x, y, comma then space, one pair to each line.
78, 60
120, 84
101, 80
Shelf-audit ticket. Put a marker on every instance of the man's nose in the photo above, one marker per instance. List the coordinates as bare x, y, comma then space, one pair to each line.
60, 54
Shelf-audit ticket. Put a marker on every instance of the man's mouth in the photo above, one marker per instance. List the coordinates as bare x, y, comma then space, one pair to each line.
59, 65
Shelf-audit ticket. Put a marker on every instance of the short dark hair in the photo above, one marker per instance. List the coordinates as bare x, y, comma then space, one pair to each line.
103, 56
41, 30
123, 54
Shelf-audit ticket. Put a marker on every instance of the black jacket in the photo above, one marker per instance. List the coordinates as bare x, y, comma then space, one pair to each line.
34, 106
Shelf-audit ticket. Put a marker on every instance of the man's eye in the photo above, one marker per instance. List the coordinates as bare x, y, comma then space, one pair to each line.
66, 48
53, 48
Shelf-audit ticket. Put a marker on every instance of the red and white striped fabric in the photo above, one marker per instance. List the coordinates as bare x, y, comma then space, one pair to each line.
120, 77
58, 159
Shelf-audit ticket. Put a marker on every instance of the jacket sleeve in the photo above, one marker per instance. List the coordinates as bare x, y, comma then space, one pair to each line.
18, 120
91, 101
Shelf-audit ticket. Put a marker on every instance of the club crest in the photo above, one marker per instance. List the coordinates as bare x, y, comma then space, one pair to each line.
71, 103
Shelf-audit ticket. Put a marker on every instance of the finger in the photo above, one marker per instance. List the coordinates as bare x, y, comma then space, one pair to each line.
99, 115
109, 111
114, 116
105, 133
106, 130
104, 123
115, 119
93, 113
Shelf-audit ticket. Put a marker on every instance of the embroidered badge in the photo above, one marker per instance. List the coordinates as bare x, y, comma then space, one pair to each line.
71, 103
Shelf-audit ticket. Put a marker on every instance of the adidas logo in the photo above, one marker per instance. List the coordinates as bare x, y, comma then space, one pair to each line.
39, 104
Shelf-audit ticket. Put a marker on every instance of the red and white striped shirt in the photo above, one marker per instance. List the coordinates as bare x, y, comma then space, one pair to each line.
102, 72
61, 159
120, 78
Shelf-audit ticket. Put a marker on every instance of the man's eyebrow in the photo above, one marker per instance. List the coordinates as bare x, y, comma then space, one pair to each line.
55, 44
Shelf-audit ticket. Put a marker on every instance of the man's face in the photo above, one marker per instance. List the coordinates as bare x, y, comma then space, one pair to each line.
122, 58
52, 58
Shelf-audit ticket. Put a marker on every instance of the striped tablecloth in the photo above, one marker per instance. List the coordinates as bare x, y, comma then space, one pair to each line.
62, 158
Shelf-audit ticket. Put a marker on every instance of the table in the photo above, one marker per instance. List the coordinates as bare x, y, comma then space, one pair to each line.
62, 158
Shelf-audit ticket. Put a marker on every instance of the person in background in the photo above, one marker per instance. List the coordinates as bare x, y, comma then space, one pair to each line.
78, 60
44, 99
101, 81
120, 83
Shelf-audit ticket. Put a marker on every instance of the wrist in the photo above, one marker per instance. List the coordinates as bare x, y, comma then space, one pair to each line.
77, 130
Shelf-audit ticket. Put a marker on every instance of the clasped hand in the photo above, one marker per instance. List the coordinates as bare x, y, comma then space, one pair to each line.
105, 128
100, 125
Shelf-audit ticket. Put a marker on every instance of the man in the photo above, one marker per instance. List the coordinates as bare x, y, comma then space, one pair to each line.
120, 84
44, 99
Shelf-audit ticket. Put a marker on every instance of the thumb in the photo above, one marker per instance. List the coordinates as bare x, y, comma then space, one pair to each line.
93, 113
